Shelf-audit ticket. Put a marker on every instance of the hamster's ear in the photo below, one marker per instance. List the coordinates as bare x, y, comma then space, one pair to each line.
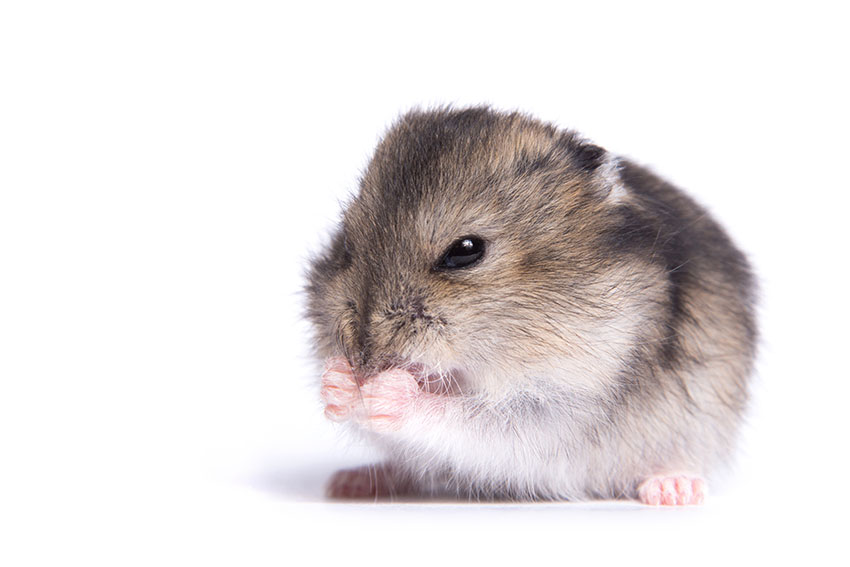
603, 168
588, 157
608, 181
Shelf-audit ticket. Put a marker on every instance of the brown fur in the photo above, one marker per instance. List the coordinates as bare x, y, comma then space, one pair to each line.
607, 285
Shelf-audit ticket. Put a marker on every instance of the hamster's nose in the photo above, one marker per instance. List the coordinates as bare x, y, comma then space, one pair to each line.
378, 328
353, 335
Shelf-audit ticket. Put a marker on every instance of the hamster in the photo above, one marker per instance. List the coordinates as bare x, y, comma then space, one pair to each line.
511, 312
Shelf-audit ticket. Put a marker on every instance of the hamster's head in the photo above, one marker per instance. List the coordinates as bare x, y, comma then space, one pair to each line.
486, 250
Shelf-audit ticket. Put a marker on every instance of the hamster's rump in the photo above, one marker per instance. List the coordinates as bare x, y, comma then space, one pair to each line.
511, 311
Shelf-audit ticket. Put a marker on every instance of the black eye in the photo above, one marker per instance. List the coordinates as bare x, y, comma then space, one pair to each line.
463, 253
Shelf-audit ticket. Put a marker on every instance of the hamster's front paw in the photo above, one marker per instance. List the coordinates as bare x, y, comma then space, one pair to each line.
672, 490
339, 389
380, 404
387, 399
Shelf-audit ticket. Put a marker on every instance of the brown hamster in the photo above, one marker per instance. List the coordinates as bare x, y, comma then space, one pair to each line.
512, 312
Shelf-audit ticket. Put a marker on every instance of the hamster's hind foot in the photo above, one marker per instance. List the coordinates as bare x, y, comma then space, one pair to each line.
370, 481
672, 490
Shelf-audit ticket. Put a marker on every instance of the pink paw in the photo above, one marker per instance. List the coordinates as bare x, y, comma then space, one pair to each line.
339, 389
674, 490
380, 404
387, 399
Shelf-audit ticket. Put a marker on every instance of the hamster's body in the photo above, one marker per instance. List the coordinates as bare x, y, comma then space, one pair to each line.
511, 312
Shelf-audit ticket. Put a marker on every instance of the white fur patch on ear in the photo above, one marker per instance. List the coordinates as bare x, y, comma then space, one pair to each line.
609, 177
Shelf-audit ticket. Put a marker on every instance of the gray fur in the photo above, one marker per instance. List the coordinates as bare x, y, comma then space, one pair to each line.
607, 335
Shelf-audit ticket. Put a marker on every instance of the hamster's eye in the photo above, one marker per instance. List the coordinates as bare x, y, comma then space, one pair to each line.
463, 253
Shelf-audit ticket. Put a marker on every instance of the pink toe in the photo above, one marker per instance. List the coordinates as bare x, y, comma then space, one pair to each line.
650, 492
699, 491
684, 490
337, 396
669, 495
336, 413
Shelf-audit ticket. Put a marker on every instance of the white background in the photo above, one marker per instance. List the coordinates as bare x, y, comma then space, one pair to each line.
167, 168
